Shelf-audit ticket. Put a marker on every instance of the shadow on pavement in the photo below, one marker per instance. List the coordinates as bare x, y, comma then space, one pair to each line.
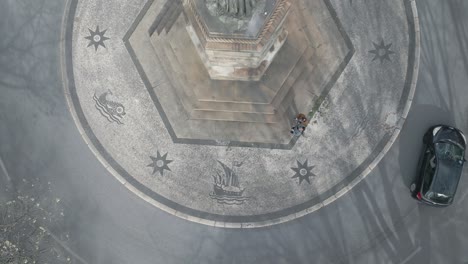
420, 118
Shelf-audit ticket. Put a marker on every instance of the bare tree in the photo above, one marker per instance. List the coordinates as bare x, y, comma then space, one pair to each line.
26, 219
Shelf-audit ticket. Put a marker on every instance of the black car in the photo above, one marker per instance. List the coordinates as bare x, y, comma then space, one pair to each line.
440, 166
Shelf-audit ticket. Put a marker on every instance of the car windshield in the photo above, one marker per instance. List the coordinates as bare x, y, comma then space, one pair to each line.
449, 151
439, 197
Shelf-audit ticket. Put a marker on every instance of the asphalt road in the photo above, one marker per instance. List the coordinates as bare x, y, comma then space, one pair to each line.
377, 222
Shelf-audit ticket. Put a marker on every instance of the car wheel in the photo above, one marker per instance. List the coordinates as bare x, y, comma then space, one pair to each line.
413, 187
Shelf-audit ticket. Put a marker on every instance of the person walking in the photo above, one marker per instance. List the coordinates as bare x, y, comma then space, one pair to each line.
301, 123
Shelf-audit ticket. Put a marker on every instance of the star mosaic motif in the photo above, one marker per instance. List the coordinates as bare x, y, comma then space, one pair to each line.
96, 38
382, 51
160, 163
303, 171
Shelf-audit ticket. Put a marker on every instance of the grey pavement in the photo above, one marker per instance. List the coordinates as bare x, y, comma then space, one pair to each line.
377, 222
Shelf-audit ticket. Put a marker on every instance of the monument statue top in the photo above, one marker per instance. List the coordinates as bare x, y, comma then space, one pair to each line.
234, 8
233, 18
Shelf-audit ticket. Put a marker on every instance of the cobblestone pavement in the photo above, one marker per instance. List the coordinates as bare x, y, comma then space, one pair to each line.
126, 92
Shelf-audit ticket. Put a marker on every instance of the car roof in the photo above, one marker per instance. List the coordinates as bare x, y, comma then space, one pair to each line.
446, 178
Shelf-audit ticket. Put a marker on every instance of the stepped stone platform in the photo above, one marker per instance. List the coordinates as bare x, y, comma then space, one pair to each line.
219, 152
268, 106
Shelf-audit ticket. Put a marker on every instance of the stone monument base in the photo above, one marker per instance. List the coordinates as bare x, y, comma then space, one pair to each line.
233, 66
240, 111
229, 51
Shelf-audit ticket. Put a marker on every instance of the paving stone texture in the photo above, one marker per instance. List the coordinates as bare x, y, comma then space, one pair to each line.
219, 152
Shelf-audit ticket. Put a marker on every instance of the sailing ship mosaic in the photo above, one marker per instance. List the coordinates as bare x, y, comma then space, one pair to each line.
226, 187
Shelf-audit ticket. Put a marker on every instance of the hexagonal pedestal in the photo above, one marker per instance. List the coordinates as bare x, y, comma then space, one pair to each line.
200, 110
229, 52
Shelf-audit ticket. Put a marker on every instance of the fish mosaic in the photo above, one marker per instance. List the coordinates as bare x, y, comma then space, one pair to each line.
111, 110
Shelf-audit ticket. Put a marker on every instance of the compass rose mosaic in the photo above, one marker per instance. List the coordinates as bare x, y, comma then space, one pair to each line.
96, 38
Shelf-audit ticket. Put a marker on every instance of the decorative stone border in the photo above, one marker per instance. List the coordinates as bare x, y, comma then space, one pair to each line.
260, 221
